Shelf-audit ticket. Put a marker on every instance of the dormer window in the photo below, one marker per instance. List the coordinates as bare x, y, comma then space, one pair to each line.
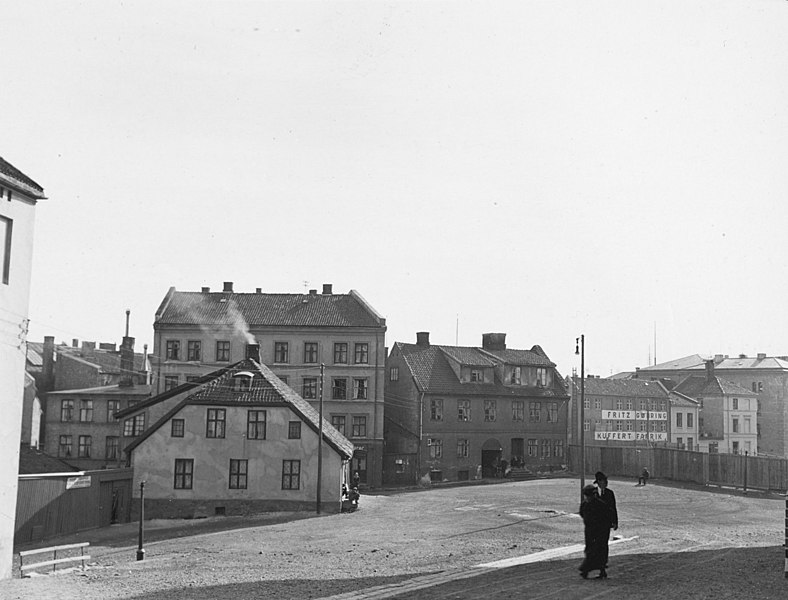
516, 376
541, 377
477, 376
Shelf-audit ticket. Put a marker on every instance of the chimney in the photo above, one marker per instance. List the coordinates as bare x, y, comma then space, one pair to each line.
75, 343
718, 358
228, 286
126, 362
258, 290
313, 292
205, 290
327, 289
709, 370
423, 338
494, 341
761, 356
109, 347
49, 362
88, 348
253, 352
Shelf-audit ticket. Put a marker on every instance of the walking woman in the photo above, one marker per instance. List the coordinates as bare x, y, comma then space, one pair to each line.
597, 531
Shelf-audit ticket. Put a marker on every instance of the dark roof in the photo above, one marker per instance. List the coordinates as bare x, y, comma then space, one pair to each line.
260, 310
32, 461
266, 389
9, 170
696, 386
430, 368
531, 358
634, 388
679, 399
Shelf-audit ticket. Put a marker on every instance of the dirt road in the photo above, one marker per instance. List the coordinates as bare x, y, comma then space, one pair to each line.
690, 543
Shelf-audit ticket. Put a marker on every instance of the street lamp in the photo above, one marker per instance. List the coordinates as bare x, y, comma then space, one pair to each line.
580, 348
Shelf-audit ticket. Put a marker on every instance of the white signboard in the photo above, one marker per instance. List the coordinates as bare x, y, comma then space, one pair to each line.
82, 481
639, 415
631, 436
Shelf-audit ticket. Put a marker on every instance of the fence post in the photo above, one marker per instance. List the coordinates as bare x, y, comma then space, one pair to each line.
786, 536
745, 471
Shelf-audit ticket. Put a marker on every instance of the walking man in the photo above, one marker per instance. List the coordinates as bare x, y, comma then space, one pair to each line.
607, 496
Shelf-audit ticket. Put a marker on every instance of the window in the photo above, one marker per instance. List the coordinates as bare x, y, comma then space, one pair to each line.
294, 430
281, 352
586, 425
194, 350
760, 386
541, 377
689, 419
642, 405
516, 376
735, 404
214, 427
222, 351
282, 378
436, 409
759, 406
86, 411
630, 427
679, 419
463, 448
747, 425
552, 412
66, 410
619, 426
6, 229
735, 447
436, 448
112, 447
64, 446
545, 448
359, 427
177, 427
489, 411
518, 410
134, 426
463, 410
532, 448
535, 412
85, 442
173, 349
170, 382
394, 374
629, 404
362, 353
360, 389
558, 448
477, 376
754, 386
663, 426
587, 404
113, 406
291, 474
597, 403
691, 444
309, 388
642, 425
399, 465
184, 471
340, 353
339, 388
310, 352
255, 425
238, 472
338, 422
680, 442
735, 425
662, 405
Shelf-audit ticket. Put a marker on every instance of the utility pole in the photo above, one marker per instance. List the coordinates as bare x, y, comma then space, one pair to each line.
580, 348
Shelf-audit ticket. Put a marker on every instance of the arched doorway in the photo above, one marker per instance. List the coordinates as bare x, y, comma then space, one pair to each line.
492, 451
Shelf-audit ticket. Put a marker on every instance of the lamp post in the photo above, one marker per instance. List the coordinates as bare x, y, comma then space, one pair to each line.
580, 348
140, 550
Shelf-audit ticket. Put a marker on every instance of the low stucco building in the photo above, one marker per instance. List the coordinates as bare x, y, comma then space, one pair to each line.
240, 442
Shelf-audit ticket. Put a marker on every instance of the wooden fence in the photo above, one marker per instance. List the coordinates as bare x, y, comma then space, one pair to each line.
52, 504
731, 470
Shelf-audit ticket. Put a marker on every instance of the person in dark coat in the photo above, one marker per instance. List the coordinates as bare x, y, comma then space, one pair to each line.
595, 519
609, 498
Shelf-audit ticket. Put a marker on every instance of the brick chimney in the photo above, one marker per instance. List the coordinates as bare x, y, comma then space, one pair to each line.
423, 338
494, 341
253, 352
48, 367
126, 362
710, 370
328, 289
88, 349
228, 286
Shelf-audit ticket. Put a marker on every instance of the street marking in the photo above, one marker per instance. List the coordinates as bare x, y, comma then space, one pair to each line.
544, 555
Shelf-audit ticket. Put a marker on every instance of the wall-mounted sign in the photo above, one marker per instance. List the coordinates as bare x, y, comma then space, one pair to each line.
639, 415
631, 436
73, 483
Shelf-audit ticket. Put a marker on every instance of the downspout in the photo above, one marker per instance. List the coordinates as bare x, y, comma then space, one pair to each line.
421, 436
376, 405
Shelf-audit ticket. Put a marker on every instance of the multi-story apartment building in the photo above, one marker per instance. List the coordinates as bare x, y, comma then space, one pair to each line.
18, 197
765, 377
728, 413
683, 422
326, 346
453, 413
620, 412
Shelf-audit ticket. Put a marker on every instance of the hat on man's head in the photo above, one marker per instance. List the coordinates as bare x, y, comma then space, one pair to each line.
589, 490
600, 476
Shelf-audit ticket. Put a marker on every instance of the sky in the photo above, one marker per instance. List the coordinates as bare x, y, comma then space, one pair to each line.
544, 169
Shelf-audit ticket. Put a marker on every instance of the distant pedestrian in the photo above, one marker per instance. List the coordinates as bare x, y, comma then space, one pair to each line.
644, 475
595, 519
356, 480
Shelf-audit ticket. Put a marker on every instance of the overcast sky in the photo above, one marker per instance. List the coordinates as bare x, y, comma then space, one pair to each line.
543, 169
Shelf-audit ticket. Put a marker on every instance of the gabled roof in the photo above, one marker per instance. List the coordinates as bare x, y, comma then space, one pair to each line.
698, 362
430, 369
530, 358
261, 310
633, 388
9, 171
32, 460
687, 362
679, 399
697, 386
266, 390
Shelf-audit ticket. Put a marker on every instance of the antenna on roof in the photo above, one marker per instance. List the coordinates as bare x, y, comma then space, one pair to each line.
306, 284
457, 331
